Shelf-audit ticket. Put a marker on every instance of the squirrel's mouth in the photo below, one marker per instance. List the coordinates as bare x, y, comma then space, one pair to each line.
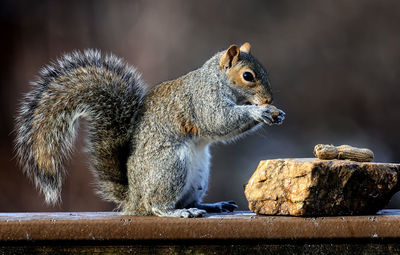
252, 103
258, 101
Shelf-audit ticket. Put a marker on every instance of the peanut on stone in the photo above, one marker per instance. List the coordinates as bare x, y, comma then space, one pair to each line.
325, 151
355, 154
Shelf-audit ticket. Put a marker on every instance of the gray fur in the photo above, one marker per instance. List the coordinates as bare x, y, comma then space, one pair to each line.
149, 149
108, 104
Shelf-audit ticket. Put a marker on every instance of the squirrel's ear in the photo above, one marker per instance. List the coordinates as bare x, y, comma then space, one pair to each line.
245, 48
229, 57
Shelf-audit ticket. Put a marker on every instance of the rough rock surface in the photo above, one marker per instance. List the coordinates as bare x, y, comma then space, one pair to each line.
313, 187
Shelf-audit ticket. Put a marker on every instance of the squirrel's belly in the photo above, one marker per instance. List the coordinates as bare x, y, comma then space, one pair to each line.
197, 161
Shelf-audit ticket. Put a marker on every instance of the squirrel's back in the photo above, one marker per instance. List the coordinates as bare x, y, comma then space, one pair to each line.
103, 89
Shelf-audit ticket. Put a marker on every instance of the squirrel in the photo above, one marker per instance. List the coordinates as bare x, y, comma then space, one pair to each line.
149, 148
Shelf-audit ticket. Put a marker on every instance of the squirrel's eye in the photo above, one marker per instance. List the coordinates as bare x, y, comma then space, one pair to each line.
247, 76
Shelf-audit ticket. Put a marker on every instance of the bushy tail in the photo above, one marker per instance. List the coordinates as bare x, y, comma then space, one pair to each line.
104, 90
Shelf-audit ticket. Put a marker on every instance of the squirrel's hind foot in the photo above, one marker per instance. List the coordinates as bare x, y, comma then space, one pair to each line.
181, 213
218, 207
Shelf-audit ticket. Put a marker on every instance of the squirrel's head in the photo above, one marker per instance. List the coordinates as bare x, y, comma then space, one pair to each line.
246, 75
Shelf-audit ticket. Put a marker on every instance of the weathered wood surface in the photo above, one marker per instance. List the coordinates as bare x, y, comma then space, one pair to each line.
241, 225
234, 233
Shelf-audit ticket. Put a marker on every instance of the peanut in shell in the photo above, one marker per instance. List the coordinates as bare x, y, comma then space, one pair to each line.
326, 151
355, 154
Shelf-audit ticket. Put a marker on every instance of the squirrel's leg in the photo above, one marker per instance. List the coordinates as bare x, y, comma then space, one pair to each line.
198, 169
158, 180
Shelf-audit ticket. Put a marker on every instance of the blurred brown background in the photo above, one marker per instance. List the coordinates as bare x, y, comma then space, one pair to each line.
334, 66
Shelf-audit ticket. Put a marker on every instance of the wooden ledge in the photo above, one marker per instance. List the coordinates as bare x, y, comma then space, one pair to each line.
111, 226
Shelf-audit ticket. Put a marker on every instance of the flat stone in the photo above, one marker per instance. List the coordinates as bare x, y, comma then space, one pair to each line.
313, 187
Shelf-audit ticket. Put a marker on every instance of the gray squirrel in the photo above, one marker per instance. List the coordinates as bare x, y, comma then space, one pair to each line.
149, 149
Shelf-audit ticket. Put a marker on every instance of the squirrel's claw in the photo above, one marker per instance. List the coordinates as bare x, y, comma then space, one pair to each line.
261, 114
267, 117
279, 119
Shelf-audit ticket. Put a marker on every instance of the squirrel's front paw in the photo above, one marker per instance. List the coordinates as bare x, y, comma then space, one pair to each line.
267, 114
261, 114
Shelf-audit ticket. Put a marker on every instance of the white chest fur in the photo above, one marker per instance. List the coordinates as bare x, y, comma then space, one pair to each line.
197, 160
